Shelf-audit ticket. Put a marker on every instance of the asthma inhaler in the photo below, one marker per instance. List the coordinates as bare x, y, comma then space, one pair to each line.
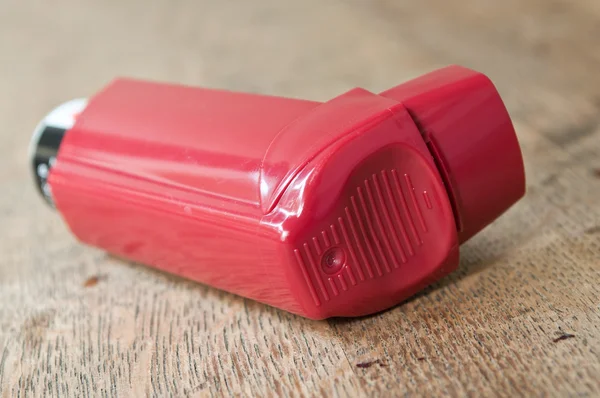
342, 208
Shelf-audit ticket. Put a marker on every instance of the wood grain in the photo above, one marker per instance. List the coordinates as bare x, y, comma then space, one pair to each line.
520, 317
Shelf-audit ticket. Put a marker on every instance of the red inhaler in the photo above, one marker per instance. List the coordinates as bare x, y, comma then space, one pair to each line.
342, 208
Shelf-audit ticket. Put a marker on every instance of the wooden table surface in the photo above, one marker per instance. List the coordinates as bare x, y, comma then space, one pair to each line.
520, 317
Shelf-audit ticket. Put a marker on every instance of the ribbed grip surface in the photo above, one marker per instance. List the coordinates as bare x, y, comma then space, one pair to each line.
380, 227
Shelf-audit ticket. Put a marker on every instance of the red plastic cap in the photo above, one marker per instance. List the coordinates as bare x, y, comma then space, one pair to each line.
469, 132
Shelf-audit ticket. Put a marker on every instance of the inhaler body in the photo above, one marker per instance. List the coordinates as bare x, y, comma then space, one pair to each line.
342, 208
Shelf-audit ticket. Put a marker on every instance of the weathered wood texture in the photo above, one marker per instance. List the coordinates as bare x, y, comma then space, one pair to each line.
520, 317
